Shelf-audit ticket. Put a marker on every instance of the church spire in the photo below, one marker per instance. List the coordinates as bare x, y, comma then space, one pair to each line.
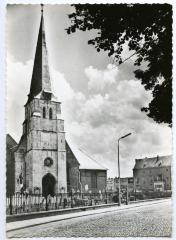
40, 77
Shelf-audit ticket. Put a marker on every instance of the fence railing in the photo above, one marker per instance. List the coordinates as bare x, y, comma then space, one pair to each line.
25, 203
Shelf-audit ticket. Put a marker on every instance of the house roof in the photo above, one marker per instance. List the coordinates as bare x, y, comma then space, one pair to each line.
158, 161
85, 161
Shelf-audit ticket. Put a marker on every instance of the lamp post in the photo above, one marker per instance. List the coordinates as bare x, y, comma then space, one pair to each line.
119, 165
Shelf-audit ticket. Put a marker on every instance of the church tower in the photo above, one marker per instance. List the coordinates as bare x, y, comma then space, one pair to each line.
40, 160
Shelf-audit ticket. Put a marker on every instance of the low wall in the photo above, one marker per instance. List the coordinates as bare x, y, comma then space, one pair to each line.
33, 215
25, 216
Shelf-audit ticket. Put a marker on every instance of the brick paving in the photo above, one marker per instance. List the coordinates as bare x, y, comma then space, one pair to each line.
145, 221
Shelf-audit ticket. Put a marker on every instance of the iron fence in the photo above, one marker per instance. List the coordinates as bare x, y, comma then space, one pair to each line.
25, 203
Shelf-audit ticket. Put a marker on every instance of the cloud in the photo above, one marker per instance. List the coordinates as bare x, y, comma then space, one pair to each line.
111, 113
95, 121
61, 88
18, 86
99, 79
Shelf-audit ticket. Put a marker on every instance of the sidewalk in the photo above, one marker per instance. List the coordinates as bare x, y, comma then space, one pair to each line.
11, 226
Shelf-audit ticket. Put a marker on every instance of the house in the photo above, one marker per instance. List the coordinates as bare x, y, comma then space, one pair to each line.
125, 183
110, 186
152, 174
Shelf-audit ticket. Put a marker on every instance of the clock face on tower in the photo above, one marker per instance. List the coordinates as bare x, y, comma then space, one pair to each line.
48, 162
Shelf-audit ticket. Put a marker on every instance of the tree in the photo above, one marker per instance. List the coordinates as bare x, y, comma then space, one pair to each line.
147, 29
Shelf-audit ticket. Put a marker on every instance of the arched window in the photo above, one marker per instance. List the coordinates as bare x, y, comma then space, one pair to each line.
44, 112
50, 113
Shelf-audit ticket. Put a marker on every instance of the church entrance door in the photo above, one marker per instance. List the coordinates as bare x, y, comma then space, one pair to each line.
48, 185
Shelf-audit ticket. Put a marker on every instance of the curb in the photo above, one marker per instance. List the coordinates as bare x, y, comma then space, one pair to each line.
88, 214
33, 215
27, 216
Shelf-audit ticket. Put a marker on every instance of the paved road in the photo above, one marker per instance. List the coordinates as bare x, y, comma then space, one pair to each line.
145, 221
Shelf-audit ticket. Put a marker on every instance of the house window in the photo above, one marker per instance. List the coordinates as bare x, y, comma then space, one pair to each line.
94, 180
160, 177
44, 112
50, 113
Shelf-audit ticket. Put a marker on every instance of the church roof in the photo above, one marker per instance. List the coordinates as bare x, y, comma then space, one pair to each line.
85, 161
40, 77
11, 143
158, 161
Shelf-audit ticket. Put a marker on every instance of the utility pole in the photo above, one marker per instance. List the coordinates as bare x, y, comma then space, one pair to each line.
127, 193
119, 165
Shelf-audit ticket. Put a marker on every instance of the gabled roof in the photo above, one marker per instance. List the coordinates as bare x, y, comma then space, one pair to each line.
85, 161
158, 161
40, 76
22, 144
11, 143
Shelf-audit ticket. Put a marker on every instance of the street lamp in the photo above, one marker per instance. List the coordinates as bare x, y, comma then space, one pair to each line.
119, 165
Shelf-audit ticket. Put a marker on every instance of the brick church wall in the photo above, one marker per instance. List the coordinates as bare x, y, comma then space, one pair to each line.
10, 164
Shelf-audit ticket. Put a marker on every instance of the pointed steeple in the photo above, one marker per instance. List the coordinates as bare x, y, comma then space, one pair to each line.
40, 77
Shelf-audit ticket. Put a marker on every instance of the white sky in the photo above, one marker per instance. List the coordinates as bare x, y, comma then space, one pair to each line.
99, 103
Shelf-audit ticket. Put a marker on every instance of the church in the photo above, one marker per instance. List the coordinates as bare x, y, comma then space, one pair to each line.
43, 162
